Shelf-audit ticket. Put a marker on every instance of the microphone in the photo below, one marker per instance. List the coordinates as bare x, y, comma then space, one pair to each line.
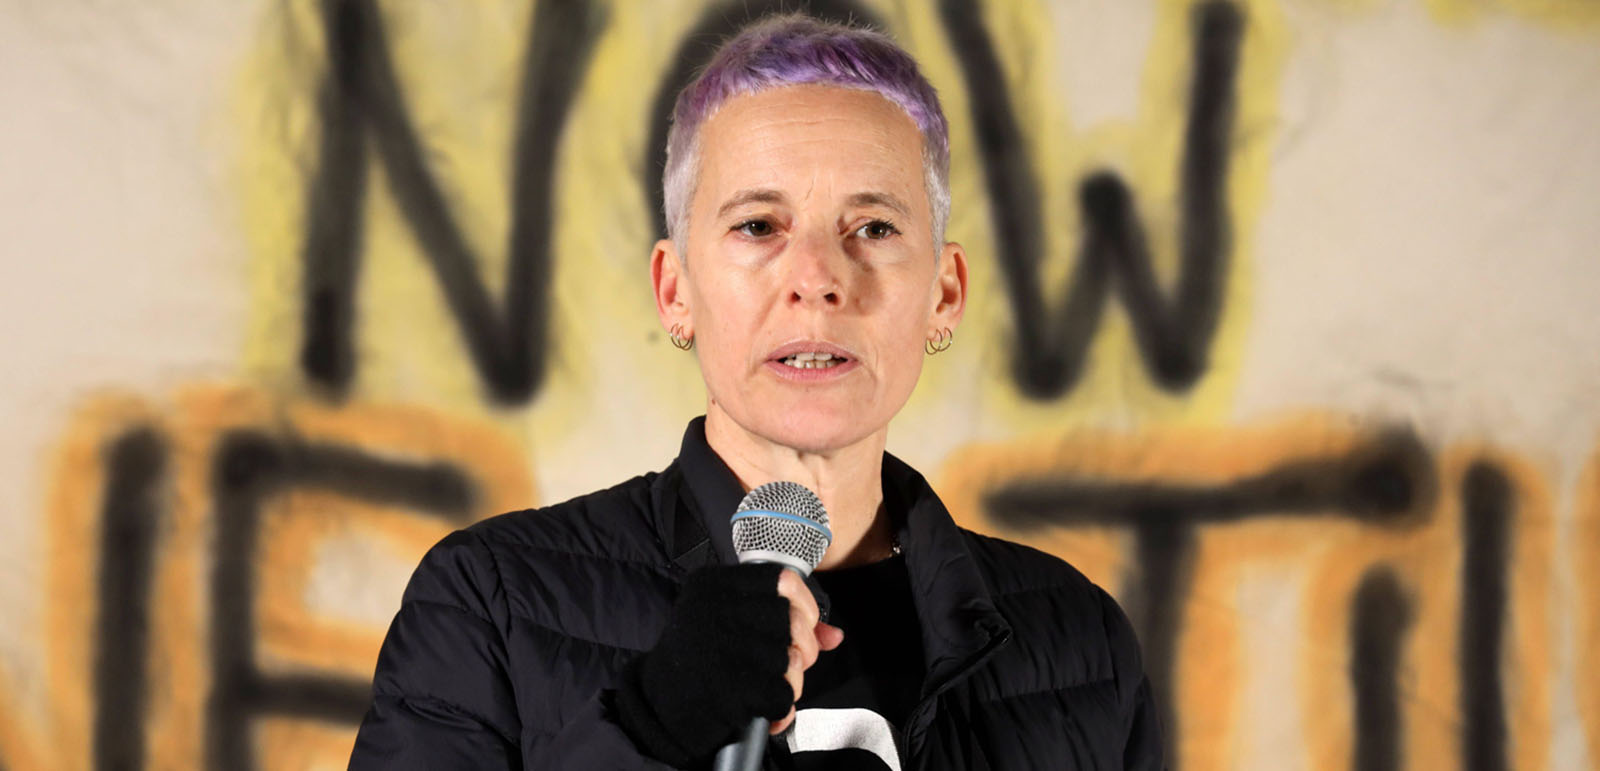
783, 523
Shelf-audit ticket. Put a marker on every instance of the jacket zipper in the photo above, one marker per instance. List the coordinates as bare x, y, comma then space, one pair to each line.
933, 698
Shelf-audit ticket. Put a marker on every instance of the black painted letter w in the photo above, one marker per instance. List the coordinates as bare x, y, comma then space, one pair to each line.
1173, 333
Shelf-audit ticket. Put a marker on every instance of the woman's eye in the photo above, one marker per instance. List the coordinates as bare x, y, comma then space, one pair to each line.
877, 230
754, 228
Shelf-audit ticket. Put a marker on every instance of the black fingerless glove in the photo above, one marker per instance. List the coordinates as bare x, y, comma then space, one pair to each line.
720, 661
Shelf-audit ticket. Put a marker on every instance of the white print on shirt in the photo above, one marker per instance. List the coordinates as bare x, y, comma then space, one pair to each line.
837, 729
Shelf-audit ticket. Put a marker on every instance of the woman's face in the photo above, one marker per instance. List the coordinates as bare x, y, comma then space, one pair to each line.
810, 237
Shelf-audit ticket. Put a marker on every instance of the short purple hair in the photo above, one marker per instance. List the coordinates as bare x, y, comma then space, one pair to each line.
790, 50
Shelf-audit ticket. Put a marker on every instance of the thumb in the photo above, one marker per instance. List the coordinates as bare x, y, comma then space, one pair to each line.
828, 636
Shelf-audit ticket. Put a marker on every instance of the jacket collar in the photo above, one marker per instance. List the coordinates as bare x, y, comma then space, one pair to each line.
698, 529
957, 613
954, 607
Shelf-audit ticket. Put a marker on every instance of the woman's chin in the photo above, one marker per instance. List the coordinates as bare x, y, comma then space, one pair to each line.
813, 428
814, 422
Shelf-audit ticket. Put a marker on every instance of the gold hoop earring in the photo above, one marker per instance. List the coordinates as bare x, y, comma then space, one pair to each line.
678, 340
940, 342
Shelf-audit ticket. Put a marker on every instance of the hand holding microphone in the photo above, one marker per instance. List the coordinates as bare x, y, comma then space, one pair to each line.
808, 636
737, 642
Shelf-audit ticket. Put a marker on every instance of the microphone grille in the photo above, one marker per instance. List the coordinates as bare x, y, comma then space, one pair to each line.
781, 518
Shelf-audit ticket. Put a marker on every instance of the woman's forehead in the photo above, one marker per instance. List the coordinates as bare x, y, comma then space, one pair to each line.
829, 110
788, 141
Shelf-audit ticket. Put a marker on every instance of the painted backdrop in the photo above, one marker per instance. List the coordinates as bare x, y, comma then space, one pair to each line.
1283, 329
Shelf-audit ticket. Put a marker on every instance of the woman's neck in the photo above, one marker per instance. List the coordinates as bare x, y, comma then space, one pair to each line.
849, 480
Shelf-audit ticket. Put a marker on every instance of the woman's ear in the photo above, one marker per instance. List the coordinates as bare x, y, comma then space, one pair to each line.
950, 287
668, 279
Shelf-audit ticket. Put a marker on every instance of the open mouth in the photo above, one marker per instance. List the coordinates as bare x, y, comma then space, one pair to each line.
809, 360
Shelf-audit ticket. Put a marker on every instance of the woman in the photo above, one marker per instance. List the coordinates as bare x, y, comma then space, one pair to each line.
806, 193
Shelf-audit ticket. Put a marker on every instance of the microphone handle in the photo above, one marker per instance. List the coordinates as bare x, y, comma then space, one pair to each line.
745, 754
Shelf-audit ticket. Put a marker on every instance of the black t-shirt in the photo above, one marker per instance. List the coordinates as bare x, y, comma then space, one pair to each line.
857, 696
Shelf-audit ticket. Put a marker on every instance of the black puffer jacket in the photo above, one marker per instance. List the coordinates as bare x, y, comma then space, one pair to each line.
511, 630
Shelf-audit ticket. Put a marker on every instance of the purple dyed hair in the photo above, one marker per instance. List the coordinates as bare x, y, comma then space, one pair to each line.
791, 50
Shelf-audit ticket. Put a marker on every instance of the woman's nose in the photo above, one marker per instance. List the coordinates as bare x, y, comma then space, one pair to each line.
815, 272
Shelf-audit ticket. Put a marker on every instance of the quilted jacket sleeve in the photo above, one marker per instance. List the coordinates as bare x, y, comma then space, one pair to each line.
441, 696
1143, 749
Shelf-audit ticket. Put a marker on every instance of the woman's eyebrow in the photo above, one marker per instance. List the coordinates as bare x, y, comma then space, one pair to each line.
749, 195
880, 199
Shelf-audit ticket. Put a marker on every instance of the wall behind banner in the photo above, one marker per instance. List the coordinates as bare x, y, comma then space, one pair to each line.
1283, 329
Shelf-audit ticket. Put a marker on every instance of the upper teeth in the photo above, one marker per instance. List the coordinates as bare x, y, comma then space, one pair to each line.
810, 360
